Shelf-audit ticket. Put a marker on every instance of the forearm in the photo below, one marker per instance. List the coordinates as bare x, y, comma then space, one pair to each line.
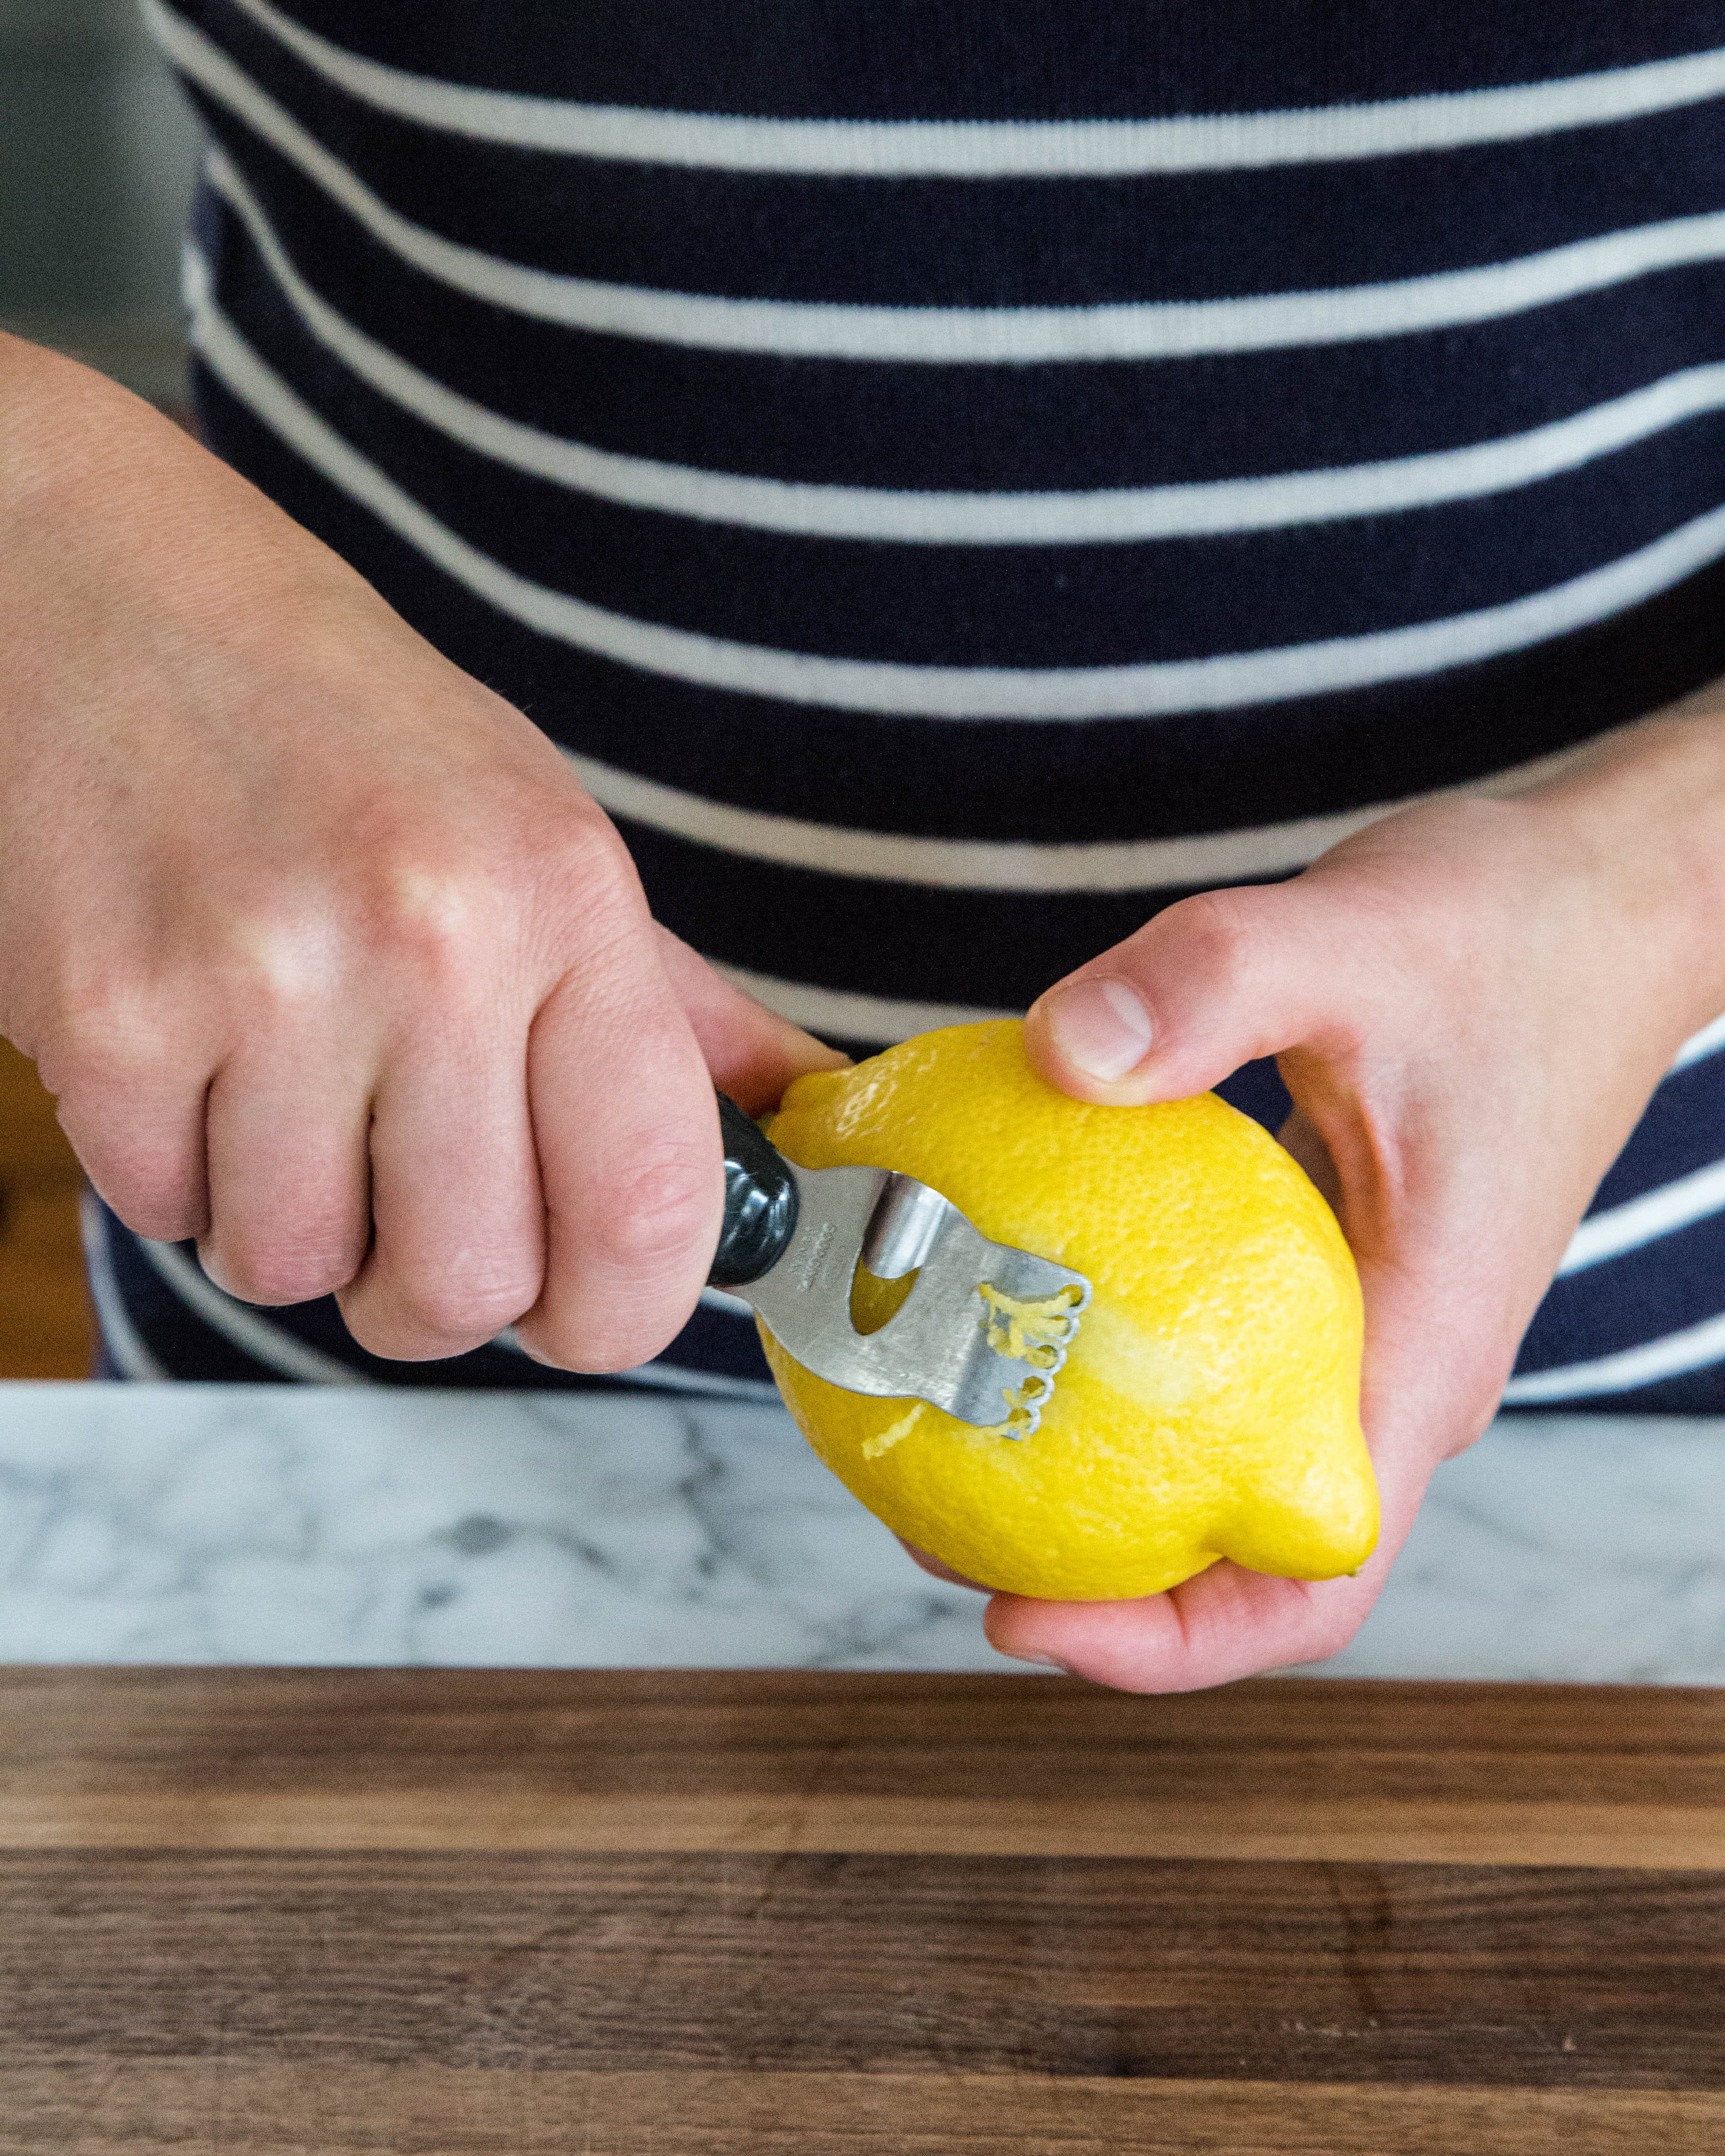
1642, 815
119, 534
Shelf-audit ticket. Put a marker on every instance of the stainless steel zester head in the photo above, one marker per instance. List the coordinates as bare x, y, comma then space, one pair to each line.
982, 1332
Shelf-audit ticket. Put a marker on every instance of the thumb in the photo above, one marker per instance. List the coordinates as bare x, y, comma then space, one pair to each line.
1210, 983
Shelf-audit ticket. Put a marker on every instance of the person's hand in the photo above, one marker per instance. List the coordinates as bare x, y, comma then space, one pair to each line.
331, 962
1471, 1002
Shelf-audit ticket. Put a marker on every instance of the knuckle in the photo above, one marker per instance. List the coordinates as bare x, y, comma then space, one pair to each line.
626, 1288
600, 865
438, 919
279, 964
597, 1341
423, 885
281, 1271
656, 1216
126, 1074
593, 914
105, 1034
441, 893
1219, 936
461, 1304
161, 1208
155, 1188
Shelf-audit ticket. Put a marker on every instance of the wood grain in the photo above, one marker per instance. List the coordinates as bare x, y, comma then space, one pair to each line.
1319, 1831
45, 1320
801, 1965
502, 1929
307, 2108
770, 1761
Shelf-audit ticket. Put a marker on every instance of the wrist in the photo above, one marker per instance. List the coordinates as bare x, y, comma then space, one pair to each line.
1641, 815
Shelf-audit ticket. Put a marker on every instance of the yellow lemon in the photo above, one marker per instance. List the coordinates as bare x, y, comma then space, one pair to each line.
1209, 1407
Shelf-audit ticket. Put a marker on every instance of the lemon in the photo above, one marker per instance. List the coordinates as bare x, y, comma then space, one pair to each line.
1209, 1407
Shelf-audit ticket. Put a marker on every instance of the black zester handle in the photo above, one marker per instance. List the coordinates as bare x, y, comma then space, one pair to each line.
760, 1203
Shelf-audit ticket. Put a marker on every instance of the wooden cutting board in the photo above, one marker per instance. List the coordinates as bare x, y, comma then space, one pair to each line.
785, 1914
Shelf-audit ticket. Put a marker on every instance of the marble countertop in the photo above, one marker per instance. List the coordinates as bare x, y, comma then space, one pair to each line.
158, 1523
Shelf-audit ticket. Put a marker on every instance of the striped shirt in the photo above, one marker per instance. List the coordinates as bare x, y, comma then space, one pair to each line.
954, 480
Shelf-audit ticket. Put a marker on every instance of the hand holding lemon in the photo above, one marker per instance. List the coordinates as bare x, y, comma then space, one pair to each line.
1208, 1404
1470, 1003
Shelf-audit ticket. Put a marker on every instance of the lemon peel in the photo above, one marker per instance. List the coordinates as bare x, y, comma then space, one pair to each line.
1029, 1330
873, 1447
1208, 1404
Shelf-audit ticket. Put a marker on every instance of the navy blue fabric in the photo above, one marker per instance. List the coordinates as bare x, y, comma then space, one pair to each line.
1101, 779
1036, 425
1014, 60
850, 937
1109, 604
939, 241
1682, 1131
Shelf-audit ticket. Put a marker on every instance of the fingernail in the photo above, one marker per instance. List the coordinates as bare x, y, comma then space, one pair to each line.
1099, 1024
1036, 1655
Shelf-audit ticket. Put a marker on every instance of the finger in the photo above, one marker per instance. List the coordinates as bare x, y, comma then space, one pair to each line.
626, 1127
132, 1107
1207, 985
1225, 1624
458, 1228
936, 1570
289, 1173
752, 1052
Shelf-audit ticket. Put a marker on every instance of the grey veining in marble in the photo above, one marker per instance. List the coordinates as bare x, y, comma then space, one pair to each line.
289, 1524
286, 1524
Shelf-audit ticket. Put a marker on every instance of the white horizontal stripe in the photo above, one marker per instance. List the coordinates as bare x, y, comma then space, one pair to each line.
947, 692
955, 336
943, 863
122, 1339
1708, 1042
1692, 1349
984, 149
1641, 1220
252, 1333
1097, 516
883, 1019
